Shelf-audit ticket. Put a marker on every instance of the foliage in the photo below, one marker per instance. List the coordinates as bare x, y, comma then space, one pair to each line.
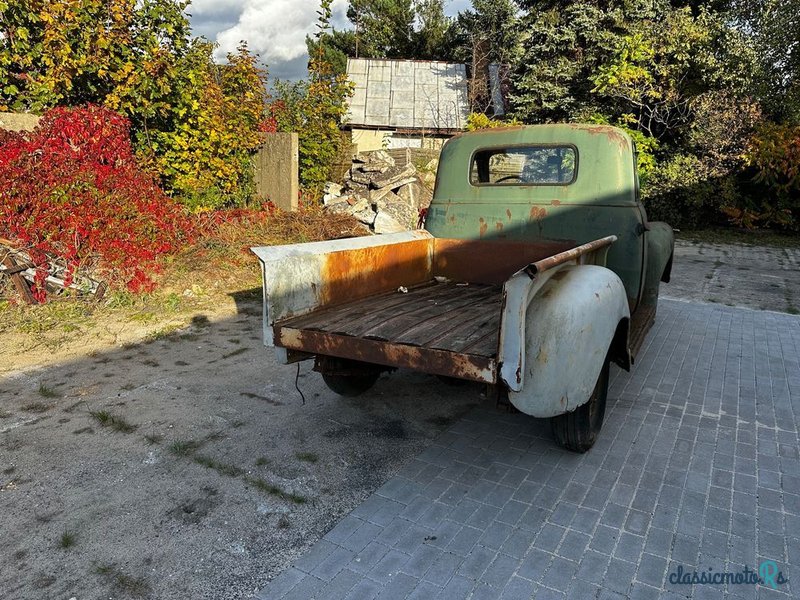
70, 52
192, 121
484, 35
476, 121
564, 43
775, 154
74, 192
399, 29
315, 109
206, 159
776, 31
657, 72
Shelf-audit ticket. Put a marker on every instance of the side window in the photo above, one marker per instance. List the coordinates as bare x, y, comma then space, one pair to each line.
525, 165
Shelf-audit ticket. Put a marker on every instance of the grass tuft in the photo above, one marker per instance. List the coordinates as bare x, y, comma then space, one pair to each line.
183, 447
221, 468
67, 539
134, 586
274, 490
48, 392
106, 419
36, 407
235, 352
308, 457
262, 461
153, 438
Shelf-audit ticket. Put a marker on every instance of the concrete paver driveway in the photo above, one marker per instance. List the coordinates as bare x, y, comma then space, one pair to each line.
697, 469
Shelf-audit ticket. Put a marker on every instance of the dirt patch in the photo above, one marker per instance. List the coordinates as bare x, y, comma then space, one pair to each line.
183, 463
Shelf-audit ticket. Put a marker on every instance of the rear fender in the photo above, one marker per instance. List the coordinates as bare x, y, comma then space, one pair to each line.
577, 318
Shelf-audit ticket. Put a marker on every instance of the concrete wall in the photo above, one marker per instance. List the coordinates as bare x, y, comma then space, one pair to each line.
367, 140
370, 139
18, 121
276, 170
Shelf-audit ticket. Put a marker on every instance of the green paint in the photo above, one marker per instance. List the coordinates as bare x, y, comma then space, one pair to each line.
602, 200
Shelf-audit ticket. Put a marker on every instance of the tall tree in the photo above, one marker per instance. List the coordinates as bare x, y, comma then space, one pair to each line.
775, 25
433, 36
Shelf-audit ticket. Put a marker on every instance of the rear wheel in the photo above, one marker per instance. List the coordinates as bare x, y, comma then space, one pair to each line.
578, 430
347, 377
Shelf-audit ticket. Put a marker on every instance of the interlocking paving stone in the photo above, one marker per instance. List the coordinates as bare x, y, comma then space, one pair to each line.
697, 465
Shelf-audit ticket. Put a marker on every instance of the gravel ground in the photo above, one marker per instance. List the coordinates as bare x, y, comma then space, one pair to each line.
188, 467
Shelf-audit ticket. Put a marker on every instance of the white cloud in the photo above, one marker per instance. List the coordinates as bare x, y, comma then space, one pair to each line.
274, 29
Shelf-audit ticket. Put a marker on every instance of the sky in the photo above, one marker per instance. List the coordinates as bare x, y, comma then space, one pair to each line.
274, 29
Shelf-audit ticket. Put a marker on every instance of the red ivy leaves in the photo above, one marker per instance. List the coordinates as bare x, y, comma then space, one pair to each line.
72, 189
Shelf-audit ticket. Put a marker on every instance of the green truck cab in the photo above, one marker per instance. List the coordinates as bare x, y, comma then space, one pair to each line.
536, 268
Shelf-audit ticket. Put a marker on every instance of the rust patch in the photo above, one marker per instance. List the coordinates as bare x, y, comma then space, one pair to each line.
508, 213
452, 218
538, 213
542, 356
499, 226
427, 360
489, 261
354, 274
556, 203
484, 227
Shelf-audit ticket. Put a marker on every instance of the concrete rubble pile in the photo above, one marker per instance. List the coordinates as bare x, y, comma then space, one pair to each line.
384, 196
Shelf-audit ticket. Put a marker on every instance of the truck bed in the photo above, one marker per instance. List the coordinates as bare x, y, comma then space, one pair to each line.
433, 323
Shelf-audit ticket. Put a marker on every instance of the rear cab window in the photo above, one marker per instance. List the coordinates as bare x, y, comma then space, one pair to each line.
525, 165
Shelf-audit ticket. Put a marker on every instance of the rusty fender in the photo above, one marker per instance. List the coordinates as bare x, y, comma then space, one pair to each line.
556, 330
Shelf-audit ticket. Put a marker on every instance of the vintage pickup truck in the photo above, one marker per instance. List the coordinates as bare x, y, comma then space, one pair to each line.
536, 269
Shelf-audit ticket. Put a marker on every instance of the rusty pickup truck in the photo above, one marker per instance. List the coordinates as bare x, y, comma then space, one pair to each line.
536, 269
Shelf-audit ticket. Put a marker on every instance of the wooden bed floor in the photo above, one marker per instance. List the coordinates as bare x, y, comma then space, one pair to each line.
442, 316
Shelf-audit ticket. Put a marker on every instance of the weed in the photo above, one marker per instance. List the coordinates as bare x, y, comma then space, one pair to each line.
121, 299
284, 522
238, 423
793, 310
235, 352
36, 407
4, 414
273, 490
134, 586
153, 438
9, 470
47, 392
172, 302
309, 457
150, 362
128, 387
221, 468
67, 539
106, 419
262, 461
183, 447
163, 333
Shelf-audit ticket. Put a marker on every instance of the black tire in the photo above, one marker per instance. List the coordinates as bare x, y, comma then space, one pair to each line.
578, 430
351, 385
347, 377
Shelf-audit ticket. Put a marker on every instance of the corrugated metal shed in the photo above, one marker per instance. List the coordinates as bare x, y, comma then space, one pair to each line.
406, 94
